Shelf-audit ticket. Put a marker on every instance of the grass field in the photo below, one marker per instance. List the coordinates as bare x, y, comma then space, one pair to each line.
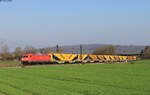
88, 79
9, 63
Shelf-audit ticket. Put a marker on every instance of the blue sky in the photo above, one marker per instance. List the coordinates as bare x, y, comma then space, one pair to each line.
42, 23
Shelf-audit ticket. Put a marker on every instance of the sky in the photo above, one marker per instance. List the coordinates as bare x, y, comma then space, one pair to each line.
42, 23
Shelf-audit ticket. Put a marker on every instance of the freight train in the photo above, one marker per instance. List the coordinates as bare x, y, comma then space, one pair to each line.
61, 58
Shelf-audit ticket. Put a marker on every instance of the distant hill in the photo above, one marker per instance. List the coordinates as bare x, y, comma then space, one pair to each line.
88, 48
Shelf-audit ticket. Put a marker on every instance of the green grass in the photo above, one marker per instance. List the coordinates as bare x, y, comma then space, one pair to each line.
88, 79
10, 63
142, 62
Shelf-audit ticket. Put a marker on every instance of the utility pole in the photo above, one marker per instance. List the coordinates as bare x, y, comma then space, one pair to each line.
81, 52
57, 49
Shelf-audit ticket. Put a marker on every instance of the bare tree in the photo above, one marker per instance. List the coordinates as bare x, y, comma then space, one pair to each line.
107, 50
5, 54
44, 50
146, 52
30, 49
18, 50
58, 49
17, 53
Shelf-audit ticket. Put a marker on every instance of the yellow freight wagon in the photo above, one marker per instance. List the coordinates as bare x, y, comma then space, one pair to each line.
82, 58
117, 59
107, 58
64, 58
94, 58
79, 58
134, 58
101, 58
112, 58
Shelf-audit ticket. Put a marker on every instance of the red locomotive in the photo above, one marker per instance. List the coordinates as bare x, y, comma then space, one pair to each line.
36, 59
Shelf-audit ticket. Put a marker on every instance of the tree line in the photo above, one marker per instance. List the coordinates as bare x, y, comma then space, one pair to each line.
111, 50
5, 54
